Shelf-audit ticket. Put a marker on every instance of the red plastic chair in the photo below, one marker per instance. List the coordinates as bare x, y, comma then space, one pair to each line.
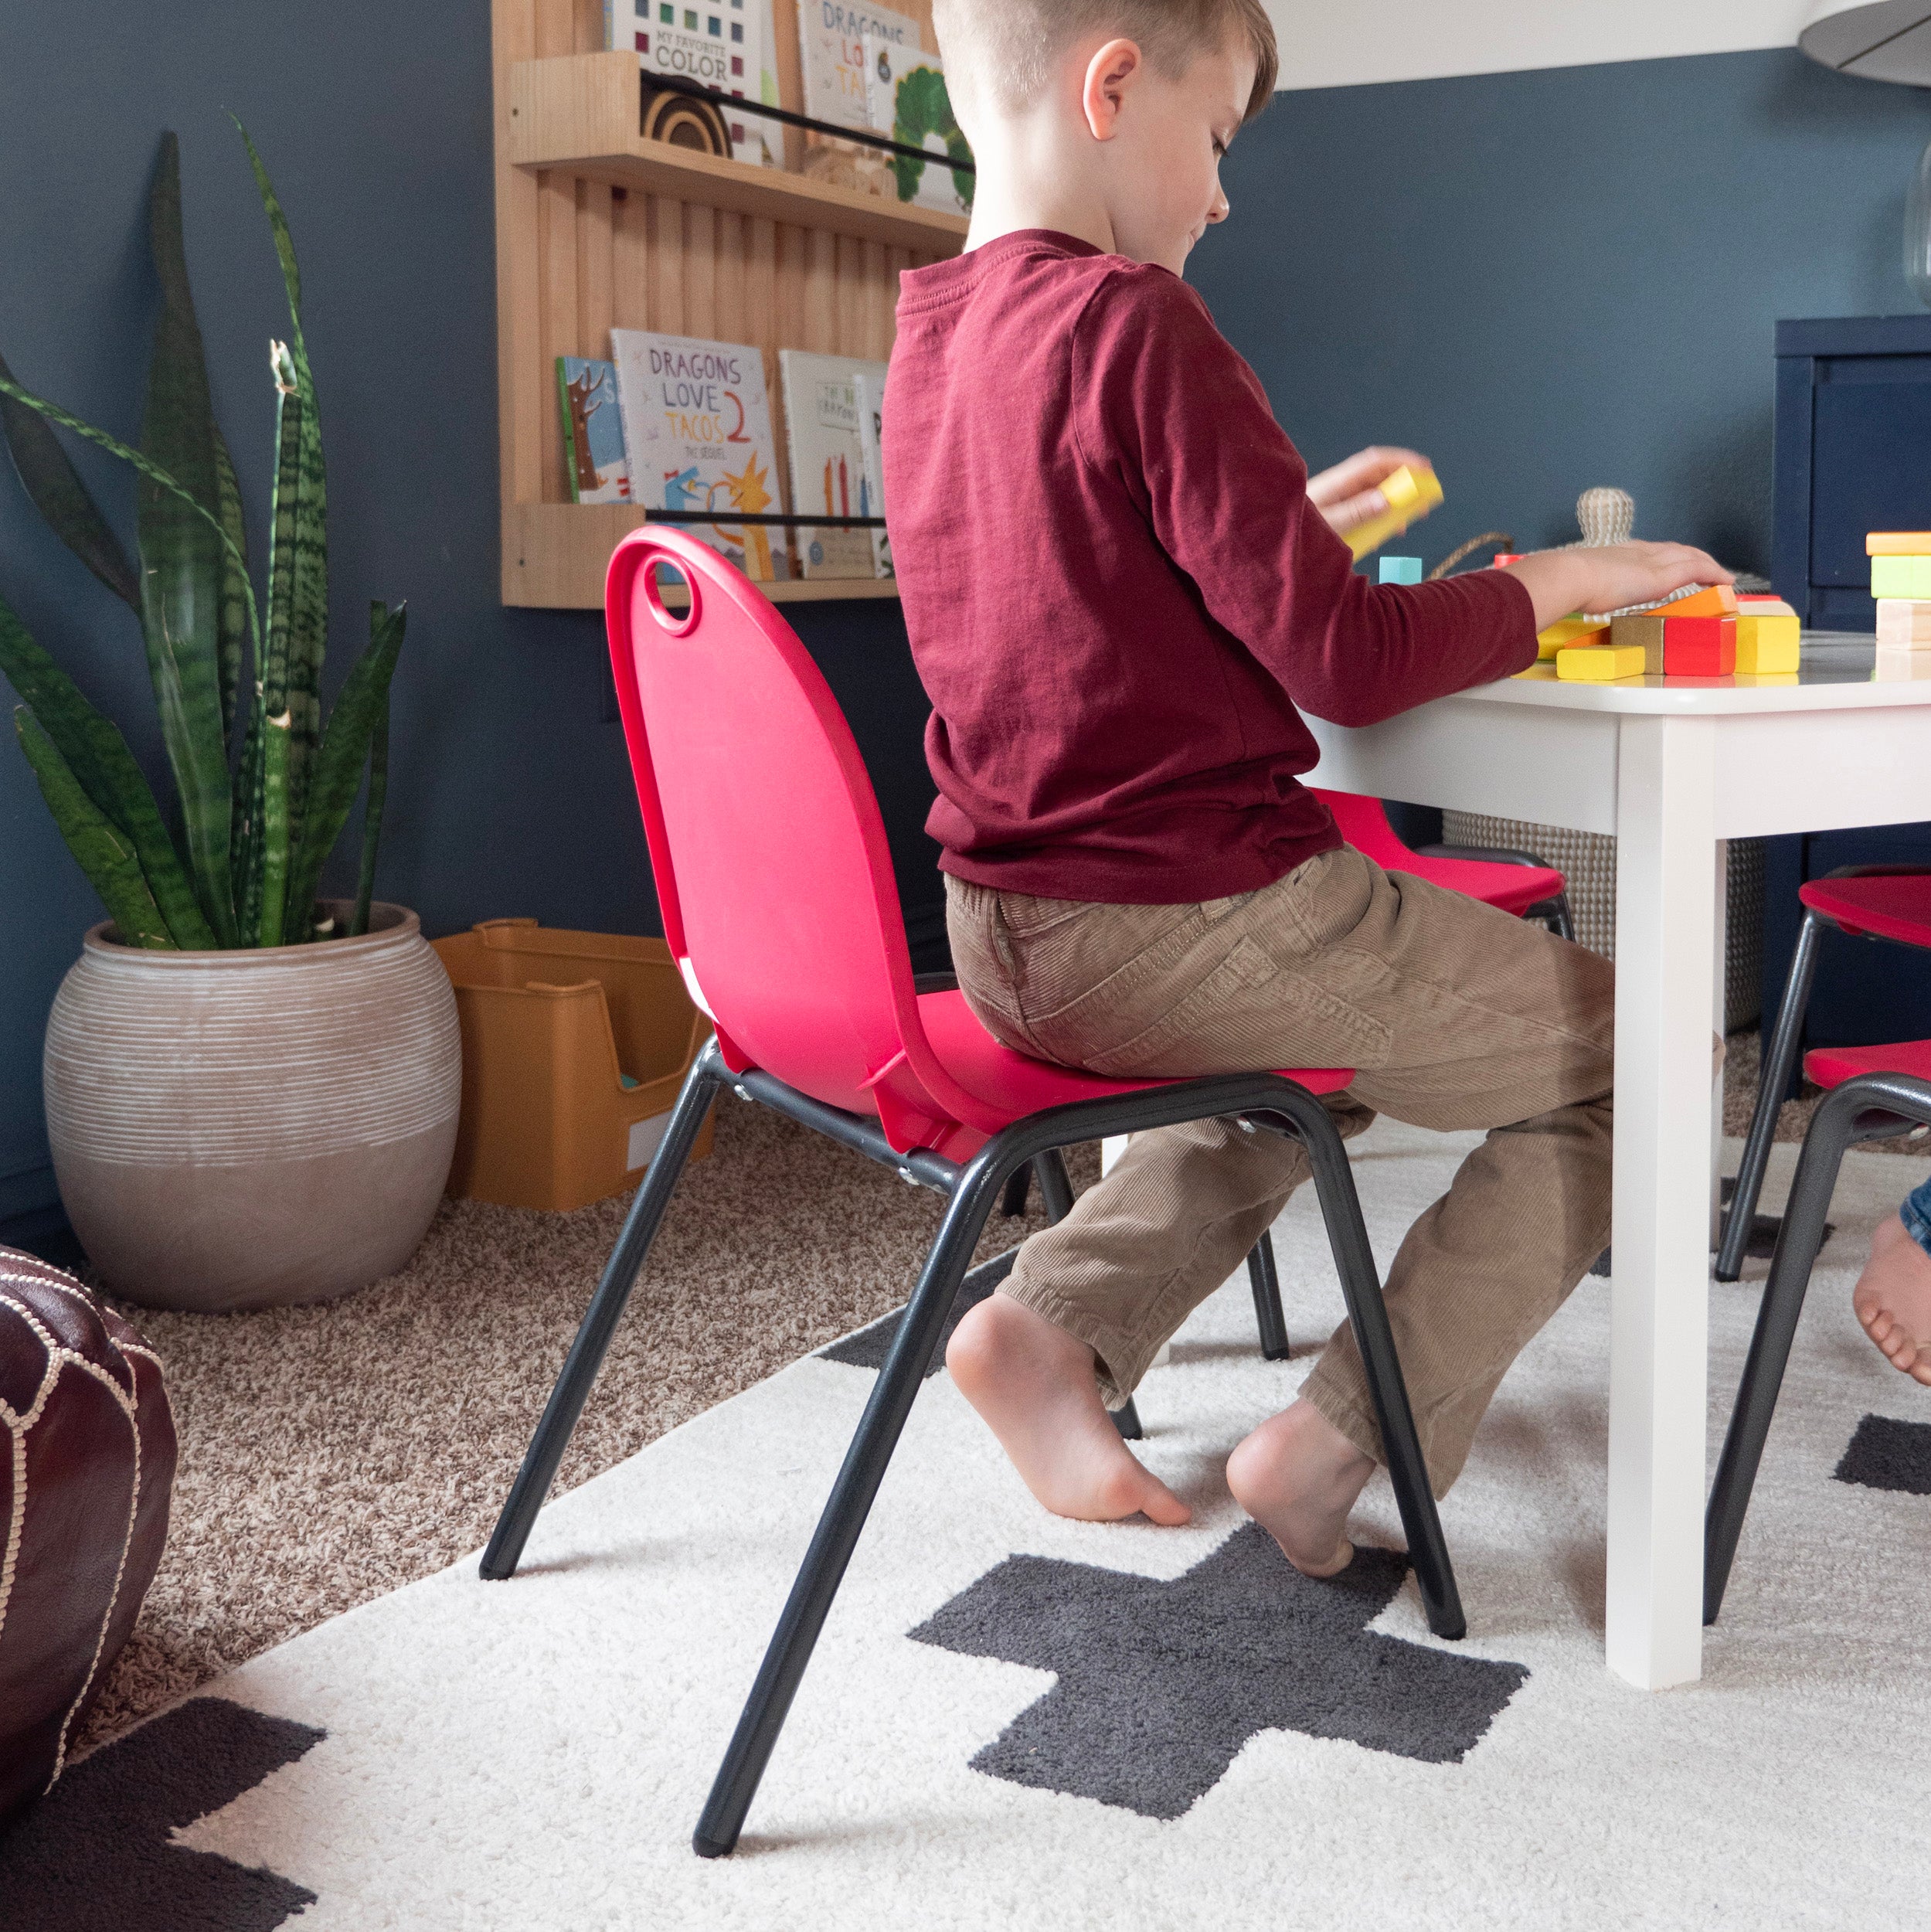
776, 893
1890, 902
1517, 882
1873, 1093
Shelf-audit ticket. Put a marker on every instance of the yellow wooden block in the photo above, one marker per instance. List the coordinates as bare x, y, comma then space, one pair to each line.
1718, 601
1566, 631
1411, 494
1897, 543
1765, 642
1600, 663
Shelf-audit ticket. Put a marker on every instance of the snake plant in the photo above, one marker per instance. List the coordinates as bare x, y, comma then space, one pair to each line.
263, 788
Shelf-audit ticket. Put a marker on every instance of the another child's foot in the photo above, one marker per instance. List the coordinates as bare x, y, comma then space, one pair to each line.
1892, 1299
1298, 1476
1034, 1385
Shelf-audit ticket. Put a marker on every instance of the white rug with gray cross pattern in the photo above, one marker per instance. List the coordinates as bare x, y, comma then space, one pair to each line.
1015, 1721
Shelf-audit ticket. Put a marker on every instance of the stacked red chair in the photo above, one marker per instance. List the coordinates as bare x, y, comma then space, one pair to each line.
1884, 903
87, 1470
775, 886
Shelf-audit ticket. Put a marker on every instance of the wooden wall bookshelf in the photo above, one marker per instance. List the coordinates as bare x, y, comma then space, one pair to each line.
597, 227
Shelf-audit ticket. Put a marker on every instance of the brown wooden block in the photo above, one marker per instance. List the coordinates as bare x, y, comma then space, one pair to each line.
1644, 633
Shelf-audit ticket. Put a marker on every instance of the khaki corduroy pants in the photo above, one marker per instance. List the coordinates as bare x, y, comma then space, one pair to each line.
1455, 1015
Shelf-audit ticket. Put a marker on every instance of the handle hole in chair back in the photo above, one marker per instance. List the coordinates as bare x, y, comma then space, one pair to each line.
773, 876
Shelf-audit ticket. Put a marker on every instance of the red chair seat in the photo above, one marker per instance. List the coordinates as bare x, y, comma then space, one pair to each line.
1363, 822
1832, 1065
1014, 1085
1892, 905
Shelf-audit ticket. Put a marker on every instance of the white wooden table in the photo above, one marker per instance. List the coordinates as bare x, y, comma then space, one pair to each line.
1671, 771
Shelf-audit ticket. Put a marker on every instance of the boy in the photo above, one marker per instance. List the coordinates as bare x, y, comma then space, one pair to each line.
1119, 583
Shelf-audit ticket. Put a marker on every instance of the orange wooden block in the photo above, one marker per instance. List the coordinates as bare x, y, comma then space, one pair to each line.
1897, 543
1719, 601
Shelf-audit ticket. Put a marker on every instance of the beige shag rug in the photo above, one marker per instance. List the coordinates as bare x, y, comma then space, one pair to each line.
331, 1454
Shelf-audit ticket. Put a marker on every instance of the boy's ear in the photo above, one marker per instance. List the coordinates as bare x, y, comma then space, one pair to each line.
1111, 74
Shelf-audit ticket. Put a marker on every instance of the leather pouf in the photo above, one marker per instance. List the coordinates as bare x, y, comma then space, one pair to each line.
87, 1467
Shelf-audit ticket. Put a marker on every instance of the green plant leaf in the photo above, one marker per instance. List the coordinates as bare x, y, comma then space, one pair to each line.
57, 492
233, 622
104, 852
297, 576
96, 756
183, 558
371, 822
246, 843
274, 834
284, 242
346, 747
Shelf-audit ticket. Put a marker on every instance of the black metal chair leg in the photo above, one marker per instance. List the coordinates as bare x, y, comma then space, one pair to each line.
1361, 1288
1265, 1279
1012, 1203
587, 1352
1562, 917
1859, 1110
1774, 1081
849, 1502
1126, 1418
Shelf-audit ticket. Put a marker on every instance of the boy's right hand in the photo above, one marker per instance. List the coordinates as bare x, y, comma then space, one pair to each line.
1611, 577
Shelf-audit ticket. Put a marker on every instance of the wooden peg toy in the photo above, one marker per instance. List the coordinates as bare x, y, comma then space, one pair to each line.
1411, 494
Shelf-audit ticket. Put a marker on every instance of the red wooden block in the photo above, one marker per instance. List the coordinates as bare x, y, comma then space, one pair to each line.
1699, 646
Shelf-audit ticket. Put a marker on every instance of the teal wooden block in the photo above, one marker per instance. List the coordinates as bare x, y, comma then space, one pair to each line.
1407, 569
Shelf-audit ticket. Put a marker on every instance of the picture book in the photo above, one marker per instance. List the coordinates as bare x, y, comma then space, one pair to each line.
822, 422
718, 43
697, 421
594, 453
906, 90
871, 438
832, 44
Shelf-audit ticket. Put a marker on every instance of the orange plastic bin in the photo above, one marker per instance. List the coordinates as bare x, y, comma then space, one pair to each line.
574, 1047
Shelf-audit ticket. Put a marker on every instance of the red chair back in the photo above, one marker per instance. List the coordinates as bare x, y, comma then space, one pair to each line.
1363, 822
773, 876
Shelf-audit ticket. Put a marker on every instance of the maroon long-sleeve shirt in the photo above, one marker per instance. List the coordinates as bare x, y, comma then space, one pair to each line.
1117, 592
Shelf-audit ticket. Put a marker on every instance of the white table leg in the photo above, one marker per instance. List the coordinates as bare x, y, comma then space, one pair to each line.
1665, 941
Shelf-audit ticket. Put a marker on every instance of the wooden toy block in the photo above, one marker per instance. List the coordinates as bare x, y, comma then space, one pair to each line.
1894, 666
1567, 632
1897, 543
1600, 663
1411, 494
1642, 632
1767, 641
1901, 576
1903, 624
1719, 601
1401, 569
1699, 646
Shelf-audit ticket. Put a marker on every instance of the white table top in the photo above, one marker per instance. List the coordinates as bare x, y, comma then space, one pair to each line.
1836, 673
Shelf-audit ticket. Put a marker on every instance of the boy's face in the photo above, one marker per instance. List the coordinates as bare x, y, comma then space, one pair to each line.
1164, 154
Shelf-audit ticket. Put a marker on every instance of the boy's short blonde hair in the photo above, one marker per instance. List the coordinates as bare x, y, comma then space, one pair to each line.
1008, 46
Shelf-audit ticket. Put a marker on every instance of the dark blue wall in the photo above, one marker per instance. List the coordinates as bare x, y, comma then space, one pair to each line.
508, 793
1551, 279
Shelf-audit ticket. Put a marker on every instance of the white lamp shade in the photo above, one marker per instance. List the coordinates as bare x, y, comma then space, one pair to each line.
1875, 39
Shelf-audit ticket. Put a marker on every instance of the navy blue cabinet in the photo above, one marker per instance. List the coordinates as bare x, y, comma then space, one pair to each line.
1853, 455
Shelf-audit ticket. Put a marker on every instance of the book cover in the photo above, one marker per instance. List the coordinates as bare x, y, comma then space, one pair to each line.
832, 45
906, 92
718, 43
871, 439
821, 421
594, 458
697, 421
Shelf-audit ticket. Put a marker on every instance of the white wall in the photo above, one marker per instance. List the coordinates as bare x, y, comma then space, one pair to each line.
1339, 43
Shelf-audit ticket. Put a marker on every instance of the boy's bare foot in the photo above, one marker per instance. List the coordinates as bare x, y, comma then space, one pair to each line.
1034, 1384
1298, 1476
1892, 1299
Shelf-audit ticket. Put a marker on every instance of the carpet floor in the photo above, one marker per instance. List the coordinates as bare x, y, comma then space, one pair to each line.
1016, 1719
331, 1454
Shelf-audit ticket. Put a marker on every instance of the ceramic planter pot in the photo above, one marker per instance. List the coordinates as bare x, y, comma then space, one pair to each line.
252, 1129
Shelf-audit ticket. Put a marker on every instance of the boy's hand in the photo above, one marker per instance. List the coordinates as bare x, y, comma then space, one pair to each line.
1611, 577
1350, 493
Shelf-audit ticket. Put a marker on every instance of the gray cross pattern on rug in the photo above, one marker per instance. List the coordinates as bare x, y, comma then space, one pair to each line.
1887, 1453
1162, 1683
98, 1850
